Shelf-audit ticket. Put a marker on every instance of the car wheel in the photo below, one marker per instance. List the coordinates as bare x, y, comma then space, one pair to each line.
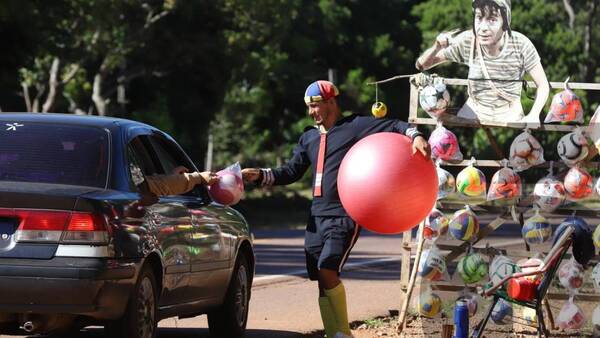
230, 319
141, 316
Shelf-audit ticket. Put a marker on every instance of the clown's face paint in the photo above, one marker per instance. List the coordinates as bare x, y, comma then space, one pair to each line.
488, 27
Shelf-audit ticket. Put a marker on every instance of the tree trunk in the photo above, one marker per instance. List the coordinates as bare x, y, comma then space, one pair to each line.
26, 96
52, 86
590, 66
97, 97
570, 13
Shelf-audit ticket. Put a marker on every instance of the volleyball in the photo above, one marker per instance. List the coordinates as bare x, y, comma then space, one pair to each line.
472, 268
506, 184
444, 145
502, 312
471, 182
434, 99
432, 265
430, 304
536, 230
464, 225
446, 183
549, 193
436, 224
578, 183
501, 267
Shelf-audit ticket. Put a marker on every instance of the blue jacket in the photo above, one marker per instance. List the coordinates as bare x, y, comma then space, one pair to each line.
340, 138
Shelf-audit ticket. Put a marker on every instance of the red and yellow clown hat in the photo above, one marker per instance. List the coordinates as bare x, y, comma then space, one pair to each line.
320, 91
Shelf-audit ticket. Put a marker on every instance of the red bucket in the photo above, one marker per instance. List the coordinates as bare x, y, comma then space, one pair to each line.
522, 288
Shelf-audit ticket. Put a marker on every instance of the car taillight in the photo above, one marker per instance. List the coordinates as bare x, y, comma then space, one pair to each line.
40, 225
86, 228
49, 226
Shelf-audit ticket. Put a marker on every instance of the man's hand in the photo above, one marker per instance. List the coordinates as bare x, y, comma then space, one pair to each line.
250, 174
420, 144
209, 177
444, 39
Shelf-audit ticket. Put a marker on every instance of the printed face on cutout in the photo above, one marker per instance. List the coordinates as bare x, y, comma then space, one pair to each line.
488, 26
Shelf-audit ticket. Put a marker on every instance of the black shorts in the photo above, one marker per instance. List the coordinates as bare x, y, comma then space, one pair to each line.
327, 243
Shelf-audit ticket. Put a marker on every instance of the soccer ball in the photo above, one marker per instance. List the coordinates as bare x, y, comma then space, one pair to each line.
436, 224
432, 265
565, 107
525, 152
472, 268
446, 183
434, 99
501, 267
578, 183
471, 182
572, 148
570, 275
444, 145
506, 184
549, 193
570, 317
502, 312
379, 109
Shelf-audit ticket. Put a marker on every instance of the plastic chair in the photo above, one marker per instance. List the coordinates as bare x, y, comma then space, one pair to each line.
545, 273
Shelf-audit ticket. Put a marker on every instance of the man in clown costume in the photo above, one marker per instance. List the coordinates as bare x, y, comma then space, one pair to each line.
498, 58
330, 232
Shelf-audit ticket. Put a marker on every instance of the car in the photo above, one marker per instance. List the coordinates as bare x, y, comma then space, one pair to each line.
82, 244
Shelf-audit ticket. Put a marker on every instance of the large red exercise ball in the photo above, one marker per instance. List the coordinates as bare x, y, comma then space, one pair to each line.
228, 190
383, 186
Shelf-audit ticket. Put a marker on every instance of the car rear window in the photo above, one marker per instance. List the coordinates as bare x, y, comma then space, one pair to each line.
49, 153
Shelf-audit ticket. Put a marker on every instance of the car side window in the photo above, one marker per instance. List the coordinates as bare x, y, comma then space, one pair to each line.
170, 157
139, 161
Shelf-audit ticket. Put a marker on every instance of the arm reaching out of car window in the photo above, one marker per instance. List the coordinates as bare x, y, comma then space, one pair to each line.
179, 182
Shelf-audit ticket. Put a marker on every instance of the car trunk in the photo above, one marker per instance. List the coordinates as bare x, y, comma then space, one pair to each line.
36, 203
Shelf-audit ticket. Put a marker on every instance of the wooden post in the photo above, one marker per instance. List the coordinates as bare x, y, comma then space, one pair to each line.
413, 277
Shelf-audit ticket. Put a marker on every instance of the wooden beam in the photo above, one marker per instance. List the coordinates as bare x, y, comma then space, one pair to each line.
454, 121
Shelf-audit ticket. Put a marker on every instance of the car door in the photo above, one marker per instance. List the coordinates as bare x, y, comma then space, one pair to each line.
209, 247
169, 221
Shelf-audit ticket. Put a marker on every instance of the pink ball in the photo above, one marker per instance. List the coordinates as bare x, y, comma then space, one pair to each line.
384, 187
444, 144
228, 190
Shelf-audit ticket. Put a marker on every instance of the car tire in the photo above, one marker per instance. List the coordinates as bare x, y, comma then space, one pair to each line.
230, 319
141, 315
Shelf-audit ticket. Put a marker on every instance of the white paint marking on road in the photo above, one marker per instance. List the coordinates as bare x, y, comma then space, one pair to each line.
355, 265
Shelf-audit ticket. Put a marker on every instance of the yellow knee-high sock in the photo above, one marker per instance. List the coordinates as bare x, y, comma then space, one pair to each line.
337, 299
328, 317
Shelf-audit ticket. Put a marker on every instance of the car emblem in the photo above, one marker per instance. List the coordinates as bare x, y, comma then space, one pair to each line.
5, 236
13, 126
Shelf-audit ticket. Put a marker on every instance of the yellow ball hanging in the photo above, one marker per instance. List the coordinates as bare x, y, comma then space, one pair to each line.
379, 109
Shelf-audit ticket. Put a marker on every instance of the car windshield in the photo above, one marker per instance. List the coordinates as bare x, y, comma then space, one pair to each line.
49, 153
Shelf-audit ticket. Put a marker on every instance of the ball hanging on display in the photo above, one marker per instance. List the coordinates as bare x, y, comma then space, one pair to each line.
228, 190
536, 230
432, 265
444, 145
565, 107
596, 277
501, 267
506, 184
578, 183
464, 225
434, 99
549, 193
472, 268
436, 224
502, 312
525, 152
596, 237
572, 148
570, 275
446, 183
379, 174
570, 317
430, 304
471, 182
379, 109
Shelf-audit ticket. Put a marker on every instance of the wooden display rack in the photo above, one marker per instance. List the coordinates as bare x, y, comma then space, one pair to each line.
414, 246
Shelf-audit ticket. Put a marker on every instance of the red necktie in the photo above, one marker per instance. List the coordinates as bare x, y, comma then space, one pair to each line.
320, 164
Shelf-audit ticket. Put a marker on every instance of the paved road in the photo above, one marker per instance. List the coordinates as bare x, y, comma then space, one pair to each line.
284, 303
